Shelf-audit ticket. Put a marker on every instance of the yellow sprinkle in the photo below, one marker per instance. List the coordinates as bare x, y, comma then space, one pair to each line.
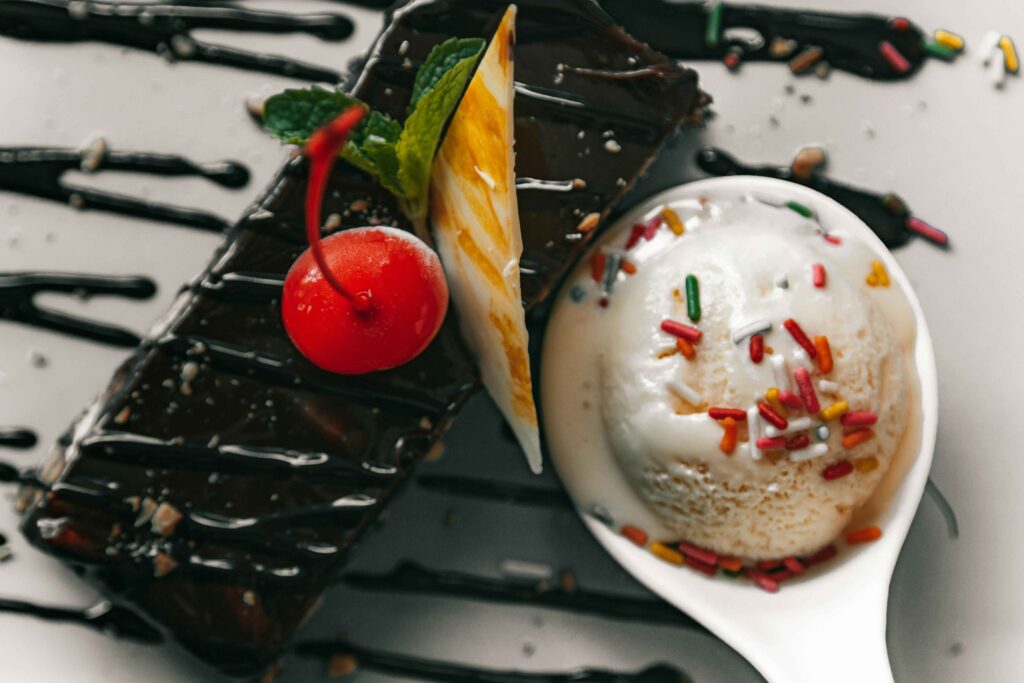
668, 554
1009, 54
834, 410
675, 223
772, 396
949, 39
865, 465
880, 273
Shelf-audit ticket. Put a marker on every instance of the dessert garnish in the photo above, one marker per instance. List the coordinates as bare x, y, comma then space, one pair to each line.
475, 219
364, 299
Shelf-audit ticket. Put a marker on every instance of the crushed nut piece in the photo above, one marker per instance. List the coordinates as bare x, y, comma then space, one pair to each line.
589, 222
163, 564
165, 519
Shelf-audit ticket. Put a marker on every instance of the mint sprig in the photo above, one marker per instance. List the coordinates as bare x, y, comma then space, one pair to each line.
399, 156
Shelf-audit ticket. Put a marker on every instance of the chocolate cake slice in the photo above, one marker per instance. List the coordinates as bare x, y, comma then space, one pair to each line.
220, 479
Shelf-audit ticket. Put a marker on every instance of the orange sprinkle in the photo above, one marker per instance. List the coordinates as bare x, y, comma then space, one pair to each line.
635, 534
629, 268
597, 262
769, 350
865, 465
728, 444
824, 354
865, 535
668, 554
856, 438
685, 347
730, 564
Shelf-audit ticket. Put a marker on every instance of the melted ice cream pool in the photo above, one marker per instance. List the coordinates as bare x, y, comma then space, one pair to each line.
623, 438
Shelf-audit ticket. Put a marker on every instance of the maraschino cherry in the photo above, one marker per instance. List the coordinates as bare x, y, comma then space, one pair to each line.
364, 299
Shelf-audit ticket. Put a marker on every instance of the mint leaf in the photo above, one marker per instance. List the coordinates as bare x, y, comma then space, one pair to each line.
293, 115
418, 142
441, 60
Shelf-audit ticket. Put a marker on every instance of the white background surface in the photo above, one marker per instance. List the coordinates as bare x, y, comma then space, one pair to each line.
946, 141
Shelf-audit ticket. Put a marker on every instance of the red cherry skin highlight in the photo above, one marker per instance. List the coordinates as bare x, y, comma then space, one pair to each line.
404, 282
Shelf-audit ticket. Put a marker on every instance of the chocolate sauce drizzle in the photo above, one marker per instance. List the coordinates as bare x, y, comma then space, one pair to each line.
37, 172
18, 290
488, 489
448, 672
849, 41
164, 29
17, 437
409, 577
886, 214
105, 617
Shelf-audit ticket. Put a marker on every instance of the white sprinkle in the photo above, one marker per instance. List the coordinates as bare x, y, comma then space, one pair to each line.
404, 47
754, 430
779, 369
815, 451
801, 359
522, 569
485, 177
612, 146
684, 391
828, 387
797, 425
822, 433
750, 329
510, 267
997, 72
990, 48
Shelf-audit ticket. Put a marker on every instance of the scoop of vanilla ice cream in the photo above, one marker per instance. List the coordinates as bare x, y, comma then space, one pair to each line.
754, 266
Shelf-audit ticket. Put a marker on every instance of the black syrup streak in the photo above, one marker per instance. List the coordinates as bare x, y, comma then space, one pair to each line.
410, 577
487, 489
113, 620
948, 513
17, 437
165, 29
850, 41
37, 171
18, 290
449, 672
886, 214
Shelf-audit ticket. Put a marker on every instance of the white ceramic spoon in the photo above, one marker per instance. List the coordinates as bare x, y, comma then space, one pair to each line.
828, 625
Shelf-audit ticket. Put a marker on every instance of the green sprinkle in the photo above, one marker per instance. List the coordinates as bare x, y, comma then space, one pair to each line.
939, 50
692, 298
800, 209
713, 29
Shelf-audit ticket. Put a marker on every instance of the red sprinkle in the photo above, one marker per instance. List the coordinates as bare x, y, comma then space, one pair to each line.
865, 535
771, 443
698, 553
858, 418
840, 469
896, 60
768, 565
929, 232
791, 400
832, 239
818, 275
823, 555
803, 382
757, 348
801, 338
635, 534
597, 262
702, 567
635, 235
651, 227
794, 565
722, 413
797, 442
900, 23
682, 330
762, 580
768, 413
731, 60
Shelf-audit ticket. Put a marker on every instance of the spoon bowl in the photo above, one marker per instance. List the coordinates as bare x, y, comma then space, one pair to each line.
828, 624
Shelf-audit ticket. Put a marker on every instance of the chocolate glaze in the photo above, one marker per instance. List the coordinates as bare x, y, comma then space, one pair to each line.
37, 171
164, 29
17, 437
850, 41
220, 418
448, 672
409, 577
18, 290
113, 620
886, 214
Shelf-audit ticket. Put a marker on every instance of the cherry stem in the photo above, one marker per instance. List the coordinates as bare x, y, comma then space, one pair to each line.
322, 150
